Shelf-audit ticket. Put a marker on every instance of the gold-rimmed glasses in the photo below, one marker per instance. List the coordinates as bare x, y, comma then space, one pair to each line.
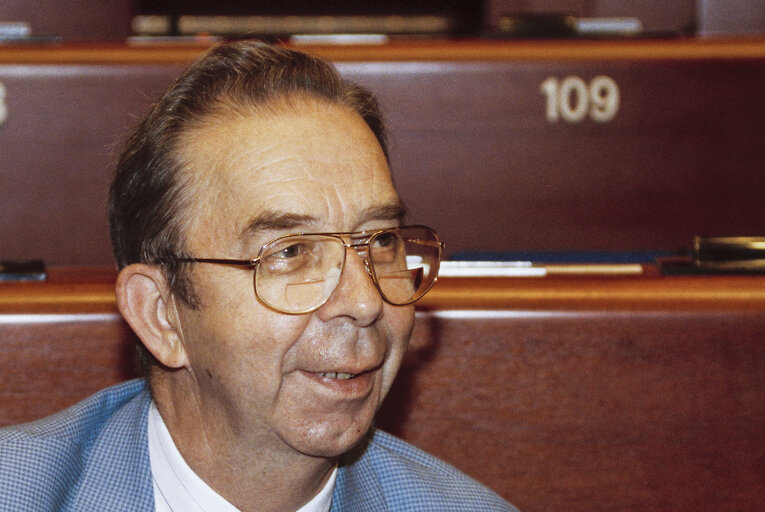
297, 273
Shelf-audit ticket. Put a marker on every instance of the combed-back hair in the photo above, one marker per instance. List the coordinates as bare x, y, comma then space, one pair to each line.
147, 197
149, 201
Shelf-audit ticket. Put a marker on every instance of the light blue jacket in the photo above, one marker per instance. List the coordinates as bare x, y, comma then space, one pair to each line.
94, 456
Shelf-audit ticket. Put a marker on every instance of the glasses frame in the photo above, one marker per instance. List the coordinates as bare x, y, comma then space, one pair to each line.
367, 236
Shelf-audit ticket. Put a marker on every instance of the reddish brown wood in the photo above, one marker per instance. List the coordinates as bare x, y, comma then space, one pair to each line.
72, 20
49, 363
57, 150
91, 290
593, 411
581, 394
425, 50
471, 151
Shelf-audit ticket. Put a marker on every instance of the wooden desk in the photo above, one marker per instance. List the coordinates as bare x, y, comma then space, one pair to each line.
489, 144
578, 394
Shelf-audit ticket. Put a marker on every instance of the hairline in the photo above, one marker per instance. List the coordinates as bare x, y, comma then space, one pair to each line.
220, 112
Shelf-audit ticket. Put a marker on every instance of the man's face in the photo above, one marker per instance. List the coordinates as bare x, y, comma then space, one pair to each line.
263, 379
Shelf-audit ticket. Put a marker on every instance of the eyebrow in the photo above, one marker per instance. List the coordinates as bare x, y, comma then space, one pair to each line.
392, 211
271, 220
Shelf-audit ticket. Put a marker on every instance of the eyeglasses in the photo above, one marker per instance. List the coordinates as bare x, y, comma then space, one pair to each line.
297, 273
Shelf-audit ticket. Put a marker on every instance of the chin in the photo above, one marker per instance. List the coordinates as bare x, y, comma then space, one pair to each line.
329, 439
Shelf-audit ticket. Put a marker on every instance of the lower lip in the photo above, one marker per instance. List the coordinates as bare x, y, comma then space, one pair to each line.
356, 387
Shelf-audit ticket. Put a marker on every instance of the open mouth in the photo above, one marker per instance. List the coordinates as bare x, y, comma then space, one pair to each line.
345, 384
336, 375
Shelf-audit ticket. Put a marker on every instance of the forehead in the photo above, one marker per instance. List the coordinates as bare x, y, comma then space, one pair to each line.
306, 158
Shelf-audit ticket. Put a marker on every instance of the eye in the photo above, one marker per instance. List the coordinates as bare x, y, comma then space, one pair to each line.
386, 248
384, 240
289, 256
290, 251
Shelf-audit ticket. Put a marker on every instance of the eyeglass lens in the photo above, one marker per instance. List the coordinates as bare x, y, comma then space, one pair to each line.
298, 273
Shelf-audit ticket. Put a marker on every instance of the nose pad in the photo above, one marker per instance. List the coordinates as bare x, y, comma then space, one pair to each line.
362, 250
363, 254
366, 264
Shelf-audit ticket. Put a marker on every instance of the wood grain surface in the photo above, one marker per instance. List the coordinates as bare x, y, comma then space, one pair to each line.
472, 151
562, 393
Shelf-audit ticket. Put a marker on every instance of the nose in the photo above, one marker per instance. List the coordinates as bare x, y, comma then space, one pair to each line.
356, 297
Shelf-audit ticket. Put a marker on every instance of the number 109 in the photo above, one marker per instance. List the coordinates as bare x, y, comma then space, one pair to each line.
572, 99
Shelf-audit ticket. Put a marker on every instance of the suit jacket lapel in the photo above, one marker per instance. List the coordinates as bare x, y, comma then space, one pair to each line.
117, 475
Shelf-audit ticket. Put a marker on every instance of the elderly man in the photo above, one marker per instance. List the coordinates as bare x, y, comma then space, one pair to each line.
266, 270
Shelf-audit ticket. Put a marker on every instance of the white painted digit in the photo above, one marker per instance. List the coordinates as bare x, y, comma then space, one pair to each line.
572, 99
604, 95
550, 89
3, 107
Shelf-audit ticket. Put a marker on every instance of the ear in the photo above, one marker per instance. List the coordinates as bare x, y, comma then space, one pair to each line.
148, 306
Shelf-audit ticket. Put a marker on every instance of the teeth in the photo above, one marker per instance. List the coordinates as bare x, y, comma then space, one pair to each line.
336, 375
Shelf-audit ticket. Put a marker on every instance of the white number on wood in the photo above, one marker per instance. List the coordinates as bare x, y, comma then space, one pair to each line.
572, 99
3, 107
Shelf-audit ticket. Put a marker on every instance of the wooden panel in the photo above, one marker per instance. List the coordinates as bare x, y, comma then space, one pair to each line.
474, 155
472, 151
57, 151
592, 411
48, 362
72, 20
562, 393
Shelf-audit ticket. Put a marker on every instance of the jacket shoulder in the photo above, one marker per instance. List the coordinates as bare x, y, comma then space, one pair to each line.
411, 479
41, 462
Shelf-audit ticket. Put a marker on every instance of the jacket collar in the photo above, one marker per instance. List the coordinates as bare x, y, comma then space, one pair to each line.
358, 486
118, 469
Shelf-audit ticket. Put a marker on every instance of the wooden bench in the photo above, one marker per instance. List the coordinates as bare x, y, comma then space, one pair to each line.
562, 393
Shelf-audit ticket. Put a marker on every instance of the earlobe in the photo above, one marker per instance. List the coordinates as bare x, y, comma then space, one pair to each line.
148, 306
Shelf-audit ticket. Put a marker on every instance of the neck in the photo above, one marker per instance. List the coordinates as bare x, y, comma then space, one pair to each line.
236, 464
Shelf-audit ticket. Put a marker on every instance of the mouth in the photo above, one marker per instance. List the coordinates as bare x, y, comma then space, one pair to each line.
349, 385
336, 375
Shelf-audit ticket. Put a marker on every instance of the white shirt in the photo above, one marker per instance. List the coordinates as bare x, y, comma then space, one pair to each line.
178, 489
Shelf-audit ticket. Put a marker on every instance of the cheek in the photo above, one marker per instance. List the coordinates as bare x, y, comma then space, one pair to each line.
401, 324
398, 330
239, 366
232, 337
